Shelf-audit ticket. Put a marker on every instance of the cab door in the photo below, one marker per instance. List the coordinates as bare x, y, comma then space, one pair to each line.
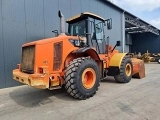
96, 28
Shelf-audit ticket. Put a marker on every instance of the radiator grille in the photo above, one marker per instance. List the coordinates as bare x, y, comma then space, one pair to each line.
27, 61
57, 56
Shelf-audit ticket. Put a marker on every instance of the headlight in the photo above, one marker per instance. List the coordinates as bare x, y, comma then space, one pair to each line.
76, 43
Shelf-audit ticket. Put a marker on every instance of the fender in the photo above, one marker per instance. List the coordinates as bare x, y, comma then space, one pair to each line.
115, 64
116, 60
90, 51
94, 55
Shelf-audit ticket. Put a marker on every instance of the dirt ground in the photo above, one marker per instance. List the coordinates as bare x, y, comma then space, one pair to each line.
137, 100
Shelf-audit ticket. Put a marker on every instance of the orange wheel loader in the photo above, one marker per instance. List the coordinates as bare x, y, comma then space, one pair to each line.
79, 59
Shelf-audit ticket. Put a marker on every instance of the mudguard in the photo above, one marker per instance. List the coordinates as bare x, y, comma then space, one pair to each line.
90, 51
94, 55
116, 60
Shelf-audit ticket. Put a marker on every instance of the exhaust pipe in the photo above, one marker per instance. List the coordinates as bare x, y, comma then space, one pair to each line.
62, 23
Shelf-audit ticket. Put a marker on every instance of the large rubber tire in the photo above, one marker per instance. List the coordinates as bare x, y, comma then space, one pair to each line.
82, 78
125, 72
158, 60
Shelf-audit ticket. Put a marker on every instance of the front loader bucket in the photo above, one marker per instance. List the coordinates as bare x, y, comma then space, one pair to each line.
138, 68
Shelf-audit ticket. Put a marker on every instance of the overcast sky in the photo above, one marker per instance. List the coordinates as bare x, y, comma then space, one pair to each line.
148, 10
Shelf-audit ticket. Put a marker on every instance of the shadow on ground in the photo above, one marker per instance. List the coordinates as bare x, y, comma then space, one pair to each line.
32, 97
109, 79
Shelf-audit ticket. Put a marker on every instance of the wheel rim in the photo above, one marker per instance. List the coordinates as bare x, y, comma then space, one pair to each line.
88, 78
159, 60
128, 69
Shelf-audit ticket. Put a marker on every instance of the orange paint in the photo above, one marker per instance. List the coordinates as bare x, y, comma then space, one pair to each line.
44, 60
44, 74
88, 78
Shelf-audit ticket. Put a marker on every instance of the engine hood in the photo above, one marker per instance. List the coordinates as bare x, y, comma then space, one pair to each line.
49, 40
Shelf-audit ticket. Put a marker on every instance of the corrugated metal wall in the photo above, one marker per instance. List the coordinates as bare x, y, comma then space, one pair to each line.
23, 21
144, 42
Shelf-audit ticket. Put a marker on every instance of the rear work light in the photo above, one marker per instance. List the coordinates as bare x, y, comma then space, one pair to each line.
40, 70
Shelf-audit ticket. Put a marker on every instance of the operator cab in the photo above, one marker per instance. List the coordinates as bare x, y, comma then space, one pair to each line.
90, 27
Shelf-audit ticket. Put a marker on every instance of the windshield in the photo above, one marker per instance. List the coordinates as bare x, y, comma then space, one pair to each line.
78, 28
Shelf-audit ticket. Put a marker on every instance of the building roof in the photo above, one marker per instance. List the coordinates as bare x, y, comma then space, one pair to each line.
144, 24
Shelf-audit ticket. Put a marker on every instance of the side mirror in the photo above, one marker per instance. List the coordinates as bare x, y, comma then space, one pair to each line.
118, 43
109, 24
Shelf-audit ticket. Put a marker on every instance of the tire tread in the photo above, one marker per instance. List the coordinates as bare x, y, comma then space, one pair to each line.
71, 73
